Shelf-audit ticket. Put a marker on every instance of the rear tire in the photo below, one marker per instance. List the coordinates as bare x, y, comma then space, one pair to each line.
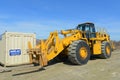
79, 52
106, 50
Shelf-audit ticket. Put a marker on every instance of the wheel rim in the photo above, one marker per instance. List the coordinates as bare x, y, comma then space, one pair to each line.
83, 53
108, 50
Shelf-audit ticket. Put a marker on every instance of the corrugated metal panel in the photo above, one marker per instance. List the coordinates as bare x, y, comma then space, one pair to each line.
17, 43
2, 48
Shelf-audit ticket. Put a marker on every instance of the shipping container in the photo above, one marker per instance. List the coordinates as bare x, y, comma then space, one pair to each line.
13, 48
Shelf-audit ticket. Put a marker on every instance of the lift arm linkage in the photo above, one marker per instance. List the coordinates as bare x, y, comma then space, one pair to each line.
53, 46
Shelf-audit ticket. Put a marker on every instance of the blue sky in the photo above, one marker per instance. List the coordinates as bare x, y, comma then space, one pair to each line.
44, 16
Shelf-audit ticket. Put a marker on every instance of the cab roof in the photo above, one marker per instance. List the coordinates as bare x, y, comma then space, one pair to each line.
89, 23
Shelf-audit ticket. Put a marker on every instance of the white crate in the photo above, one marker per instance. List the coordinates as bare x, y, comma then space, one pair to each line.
13, 47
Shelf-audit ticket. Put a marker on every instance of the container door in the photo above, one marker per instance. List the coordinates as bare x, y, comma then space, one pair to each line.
14, 49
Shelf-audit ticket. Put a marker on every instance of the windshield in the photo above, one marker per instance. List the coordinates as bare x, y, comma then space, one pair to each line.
86, 28
83, 27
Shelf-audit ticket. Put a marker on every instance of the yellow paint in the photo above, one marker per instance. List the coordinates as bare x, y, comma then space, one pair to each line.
83, 53
108, 50
54, 45
97, 48
29, 45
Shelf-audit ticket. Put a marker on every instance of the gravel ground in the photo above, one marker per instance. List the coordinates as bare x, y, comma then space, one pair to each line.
97, 69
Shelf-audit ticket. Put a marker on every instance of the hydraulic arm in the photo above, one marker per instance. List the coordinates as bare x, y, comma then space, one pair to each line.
54, 45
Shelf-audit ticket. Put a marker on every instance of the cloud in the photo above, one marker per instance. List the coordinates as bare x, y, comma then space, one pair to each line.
42, 30
112, 27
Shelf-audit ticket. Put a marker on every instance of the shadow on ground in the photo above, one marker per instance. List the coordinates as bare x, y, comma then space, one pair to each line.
23, 73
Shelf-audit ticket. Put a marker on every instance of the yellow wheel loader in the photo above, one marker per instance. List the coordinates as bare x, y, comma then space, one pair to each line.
77, 44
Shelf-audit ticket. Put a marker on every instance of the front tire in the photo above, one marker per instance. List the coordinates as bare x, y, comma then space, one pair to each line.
79, 52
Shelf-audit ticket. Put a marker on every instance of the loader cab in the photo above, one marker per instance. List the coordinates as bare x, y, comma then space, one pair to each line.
88, 28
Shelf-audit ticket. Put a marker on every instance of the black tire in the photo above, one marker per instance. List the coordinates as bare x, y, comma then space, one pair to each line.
74, 52
105, 54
